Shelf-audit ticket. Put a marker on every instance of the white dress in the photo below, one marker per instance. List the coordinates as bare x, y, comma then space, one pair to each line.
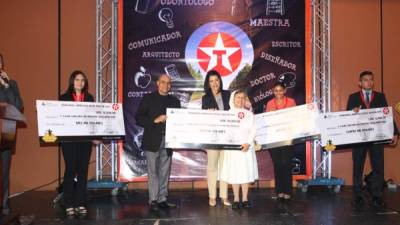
240, 167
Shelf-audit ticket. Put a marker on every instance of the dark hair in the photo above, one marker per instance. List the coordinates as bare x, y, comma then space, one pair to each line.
279, 83
210, 73
366, 72
72, 77
2, 61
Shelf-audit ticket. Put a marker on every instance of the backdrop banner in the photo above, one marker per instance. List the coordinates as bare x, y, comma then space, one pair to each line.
252, 43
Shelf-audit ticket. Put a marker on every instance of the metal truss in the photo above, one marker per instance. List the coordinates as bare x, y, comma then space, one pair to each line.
322, 164
106, 86
321, 93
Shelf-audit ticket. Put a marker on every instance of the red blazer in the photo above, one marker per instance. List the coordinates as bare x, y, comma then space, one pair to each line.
272, 104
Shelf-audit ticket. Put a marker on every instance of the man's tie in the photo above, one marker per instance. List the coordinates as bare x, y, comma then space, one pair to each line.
367, 97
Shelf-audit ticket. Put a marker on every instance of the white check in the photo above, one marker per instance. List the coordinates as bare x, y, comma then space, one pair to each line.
67, 120
348, 127
287, 126
202, 129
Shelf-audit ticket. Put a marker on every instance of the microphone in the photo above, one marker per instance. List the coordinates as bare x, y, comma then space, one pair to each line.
4, 78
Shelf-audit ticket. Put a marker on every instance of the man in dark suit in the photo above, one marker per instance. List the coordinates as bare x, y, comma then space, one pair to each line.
151, 115
9, 93
364, 99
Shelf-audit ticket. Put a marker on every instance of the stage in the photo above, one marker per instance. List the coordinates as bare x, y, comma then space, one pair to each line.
319, 206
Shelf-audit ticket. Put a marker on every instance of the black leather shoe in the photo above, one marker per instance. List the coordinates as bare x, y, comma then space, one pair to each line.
246, 205
154, 206
236, 205
166, 205
378, 203
358, 202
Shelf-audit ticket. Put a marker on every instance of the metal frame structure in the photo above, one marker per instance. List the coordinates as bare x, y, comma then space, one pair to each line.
106, 89
321, 92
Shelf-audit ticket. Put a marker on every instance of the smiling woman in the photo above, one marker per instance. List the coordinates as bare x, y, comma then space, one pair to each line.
76, 154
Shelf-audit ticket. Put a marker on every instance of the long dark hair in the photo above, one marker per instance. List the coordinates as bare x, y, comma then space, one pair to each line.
207, 88
72, 77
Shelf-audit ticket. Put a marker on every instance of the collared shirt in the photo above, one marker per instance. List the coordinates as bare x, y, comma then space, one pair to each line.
365, 94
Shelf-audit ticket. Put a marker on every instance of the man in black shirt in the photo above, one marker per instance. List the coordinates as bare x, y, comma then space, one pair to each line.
151, 115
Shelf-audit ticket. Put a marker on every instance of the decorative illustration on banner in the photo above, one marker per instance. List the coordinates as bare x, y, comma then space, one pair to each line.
251, 43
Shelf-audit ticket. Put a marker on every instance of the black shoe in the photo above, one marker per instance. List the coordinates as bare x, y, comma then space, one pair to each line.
154, 206
166, 205
246, 205
378, 203
358, 202
236, 205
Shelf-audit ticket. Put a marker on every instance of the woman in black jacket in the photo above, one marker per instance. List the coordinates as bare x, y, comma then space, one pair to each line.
215, 99
76, 154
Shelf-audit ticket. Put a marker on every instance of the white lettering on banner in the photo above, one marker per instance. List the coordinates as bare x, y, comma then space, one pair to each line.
269, 22
154, 40
263, 95
140, 162
286, 44
161, 54
278, 60
137, 94
262, 79
188, 2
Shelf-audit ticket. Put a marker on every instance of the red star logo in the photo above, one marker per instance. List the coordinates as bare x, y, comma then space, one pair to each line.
241, 115
115, 107
386, 110
221, 52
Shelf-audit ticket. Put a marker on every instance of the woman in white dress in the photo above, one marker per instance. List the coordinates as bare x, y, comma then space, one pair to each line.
239, 168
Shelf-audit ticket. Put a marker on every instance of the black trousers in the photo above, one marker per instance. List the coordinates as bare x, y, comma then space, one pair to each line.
5, 160
76, 158
377, 163
281, 157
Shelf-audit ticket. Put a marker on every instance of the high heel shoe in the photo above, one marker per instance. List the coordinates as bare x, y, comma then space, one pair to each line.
226, 202
212, 202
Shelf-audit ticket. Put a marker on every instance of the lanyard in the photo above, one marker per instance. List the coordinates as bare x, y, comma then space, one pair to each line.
368, 105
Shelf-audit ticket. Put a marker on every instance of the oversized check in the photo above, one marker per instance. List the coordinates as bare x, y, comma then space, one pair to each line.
348, 127
287, 126
202, 129
68, 121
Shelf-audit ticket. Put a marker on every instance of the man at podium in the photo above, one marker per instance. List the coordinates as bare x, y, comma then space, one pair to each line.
9, 93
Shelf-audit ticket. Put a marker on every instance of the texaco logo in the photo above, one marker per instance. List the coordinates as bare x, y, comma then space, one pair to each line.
221, 52
241, 115
219, 46
115, 107
386, 110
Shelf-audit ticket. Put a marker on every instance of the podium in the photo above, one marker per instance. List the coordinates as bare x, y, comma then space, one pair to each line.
9, 117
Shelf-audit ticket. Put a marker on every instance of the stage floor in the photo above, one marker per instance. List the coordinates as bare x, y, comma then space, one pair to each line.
318, 206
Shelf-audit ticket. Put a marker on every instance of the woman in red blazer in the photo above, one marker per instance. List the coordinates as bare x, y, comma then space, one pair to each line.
281, 156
